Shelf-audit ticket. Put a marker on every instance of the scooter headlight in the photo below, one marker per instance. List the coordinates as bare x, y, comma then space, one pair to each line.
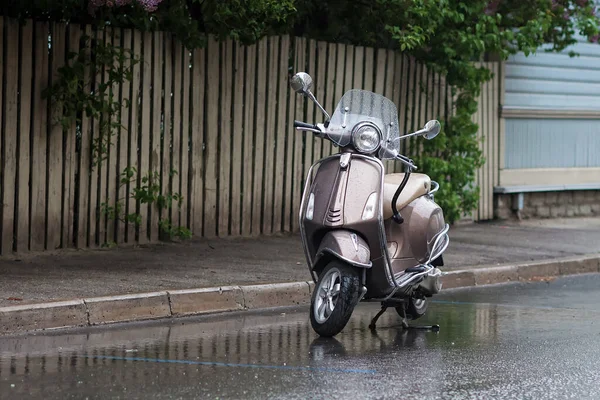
366, 137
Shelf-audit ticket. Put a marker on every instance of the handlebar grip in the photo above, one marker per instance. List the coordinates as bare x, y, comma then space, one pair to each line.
300, 124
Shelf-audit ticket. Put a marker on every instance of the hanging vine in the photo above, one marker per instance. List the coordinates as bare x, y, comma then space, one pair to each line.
84, 88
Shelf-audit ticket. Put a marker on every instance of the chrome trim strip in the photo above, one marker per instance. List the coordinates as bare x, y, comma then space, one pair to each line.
435, 252
434, 189
443, 248
307, 186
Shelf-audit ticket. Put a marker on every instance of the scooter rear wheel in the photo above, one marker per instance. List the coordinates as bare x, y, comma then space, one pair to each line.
334, 298
415, 308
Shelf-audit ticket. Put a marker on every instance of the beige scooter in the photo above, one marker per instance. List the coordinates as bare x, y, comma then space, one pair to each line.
368, 236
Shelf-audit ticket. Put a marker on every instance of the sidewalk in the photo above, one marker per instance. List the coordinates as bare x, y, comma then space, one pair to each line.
72, 274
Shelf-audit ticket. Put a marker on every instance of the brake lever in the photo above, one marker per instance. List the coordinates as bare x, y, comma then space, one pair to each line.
407, 161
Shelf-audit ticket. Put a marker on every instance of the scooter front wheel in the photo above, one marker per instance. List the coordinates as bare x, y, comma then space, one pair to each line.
334, 298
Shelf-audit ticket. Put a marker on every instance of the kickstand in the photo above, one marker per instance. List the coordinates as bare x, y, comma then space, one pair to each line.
372, 326
405, 325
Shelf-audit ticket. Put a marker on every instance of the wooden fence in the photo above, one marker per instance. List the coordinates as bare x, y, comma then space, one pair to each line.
489, 122
220, 116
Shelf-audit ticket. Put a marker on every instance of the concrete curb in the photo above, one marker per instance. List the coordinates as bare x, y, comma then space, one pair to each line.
175, 303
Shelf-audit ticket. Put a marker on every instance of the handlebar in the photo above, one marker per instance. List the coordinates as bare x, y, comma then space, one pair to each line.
303, 126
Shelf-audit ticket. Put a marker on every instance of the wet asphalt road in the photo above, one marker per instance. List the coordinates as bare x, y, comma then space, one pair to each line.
519, 341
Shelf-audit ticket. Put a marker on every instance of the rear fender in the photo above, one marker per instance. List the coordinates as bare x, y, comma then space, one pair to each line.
345, 246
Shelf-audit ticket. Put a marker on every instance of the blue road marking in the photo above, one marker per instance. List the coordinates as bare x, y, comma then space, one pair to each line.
219, 364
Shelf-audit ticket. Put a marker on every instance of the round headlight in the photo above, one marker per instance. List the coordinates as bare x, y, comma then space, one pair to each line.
366, 138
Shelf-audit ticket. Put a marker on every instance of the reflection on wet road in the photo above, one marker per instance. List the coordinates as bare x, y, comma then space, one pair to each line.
513, 341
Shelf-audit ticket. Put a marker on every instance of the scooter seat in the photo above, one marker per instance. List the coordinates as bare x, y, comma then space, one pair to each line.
417, 186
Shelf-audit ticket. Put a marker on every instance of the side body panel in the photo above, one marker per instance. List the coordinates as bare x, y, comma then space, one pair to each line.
409, 244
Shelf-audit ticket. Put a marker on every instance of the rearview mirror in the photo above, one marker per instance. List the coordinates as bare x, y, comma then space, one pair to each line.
301, 83
431, 130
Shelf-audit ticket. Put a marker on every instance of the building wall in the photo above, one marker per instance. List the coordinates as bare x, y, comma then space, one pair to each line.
555, 81
549, 143
552, 111
577, 203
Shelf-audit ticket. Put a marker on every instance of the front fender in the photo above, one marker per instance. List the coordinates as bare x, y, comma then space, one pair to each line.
344, 245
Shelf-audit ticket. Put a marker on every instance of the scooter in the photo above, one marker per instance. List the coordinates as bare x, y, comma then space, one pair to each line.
368, 236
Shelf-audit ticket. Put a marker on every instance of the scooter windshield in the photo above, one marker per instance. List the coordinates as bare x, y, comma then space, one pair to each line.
359, 106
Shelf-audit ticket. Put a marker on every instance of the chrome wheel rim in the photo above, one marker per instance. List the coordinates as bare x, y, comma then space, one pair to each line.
328, 293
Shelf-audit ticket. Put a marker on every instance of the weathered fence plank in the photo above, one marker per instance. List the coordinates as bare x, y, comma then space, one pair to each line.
124, 139
103, 150
113, 37
309, 139
340, 51
387, 59
412, 76
369, 82
196, 202
329, 99
172, 135
298, 179
10, 126
400, 78
321, 93
185, 142
225, 138
290, 133
144, 133
249, 123
237, 137
55, 146
24, 166
211, 139
70, 160
110, 165
39, 139
155, 140
94, 207
270, 128
259, 137
166, 142
282, 128
133, 158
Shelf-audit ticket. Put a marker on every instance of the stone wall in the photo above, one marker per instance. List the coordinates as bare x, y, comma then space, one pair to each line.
576, 203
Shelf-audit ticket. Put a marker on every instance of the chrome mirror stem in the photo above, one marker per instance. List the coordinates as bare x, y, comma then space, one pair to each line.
314, 99
417, 133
